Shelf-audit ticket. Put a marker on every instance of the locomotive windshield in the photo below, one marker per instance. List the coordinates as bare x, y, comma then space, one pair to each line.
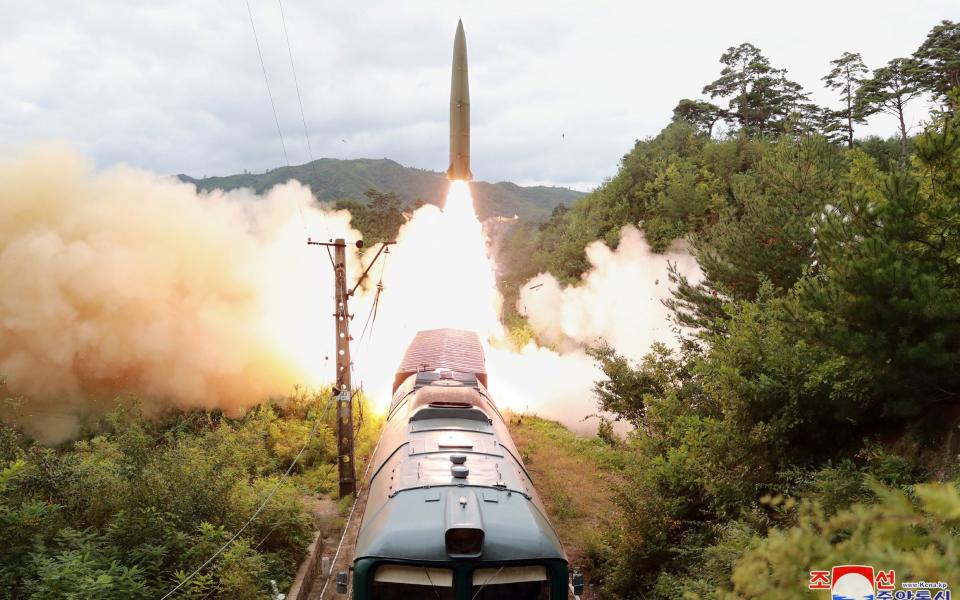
396, 582
409, 582
511, 583
526, 590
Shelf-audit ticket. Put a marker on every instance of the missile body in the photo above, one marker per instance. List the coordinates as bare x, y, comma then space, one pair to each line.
459, 111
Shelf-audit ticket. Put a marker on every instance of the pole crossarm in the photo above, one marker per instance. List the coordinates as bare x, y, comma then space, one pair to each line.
383, 247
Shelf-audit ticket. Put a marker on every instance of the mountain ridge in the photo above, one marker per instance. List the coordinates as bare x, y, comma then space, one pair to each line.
334, 179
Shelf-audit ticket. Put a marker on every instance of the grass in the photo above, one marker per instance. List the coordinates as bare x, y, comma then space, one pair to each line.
576, 478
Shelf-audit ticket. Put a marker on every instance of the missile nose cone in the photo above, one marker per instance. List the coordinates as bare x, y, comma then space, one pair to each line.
459, 110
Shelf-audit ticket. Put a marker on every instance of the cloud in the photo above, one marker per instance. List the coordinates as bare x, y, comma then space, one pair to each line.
176, 86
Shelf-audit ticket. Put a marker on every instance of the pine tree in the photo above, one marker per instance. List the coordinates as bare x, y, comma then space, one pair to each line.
886, 294
889, 90
938, 61
704, 115
761, 98
847, 76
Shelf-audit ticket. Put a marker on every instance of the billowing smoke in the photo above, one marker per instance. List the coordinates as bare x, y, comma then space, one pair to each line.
547, 383
618, 301
123, 281
438, 275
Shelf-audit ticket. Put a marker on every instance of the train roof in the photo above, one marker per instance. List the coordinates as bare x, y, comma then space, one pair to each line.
443, 349
446, 461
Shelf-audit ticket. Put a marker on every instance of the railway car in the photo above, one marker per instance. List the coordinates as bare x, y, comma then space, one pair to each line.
451, 512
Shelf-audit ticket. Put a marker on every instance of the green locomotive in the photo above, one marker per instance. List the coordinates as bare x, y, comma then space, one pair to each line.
451, 512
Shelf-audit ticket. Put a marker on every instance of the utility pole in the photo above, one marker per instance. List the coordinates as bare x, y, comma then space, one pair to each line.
343, 386
341, 297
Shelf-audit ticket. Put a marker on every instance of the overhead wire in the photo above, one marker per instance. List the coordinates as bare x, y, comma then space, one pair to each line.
296, 82
316, 424
296, 85
375, 305
286, 159
266, 80
346, 526
273, 106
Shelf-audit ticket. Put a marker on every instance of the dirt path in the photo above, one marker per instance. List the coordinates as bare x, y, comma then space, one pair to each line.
345, 558
576, 479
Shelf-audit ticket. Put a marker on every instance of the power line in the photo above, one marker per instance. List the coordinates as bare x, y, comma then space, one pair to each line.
273, 106
375, 305
346, 526
296, 82
303, 117
266, 80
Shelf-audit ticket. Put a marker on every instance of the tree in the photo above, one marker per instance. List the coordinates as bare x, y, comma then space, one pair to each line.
889, 90
698, 112
766, 234
846, 76
387, 212
886, 295
915, 534
761, 97
379, 219
938, 61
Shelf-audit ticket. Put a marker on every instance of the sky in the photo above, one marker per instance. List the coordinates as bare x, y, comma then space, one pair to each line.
559, 90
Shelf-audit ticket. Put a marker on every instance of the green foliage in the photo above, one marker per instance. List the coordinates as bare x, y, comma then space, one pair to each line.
136, 505
379, 219
919, 540
885, 295
765, 233
938, 61
845, 334
889, 90
885, 151
627, 390
825, 348
846, 76
671, 186
761, 98
702, 114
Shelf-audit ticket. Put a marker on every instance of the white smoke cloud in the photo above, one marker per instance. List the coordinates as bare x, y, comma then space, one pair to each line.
619, 300
547, 383
123, 281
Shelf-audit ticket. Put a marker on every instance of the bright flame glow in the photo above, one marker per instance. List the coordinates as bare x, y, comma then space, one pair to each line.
439, 275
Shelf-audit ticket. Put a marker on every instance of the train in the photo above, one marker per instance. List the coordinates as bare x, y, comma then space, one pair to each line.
451, 510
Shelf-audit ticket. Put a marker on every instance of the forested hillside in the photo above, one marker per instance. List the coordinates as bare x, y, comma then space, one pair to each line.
810, 416
336, 180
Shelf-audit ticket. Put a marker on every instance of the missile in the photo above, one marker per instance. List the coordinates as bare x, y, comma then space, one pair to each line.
459, 111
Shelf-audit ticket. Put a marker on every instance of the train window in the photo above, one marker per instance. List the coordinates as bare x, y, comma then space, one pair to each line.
403, 582
447, 412
511, 583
